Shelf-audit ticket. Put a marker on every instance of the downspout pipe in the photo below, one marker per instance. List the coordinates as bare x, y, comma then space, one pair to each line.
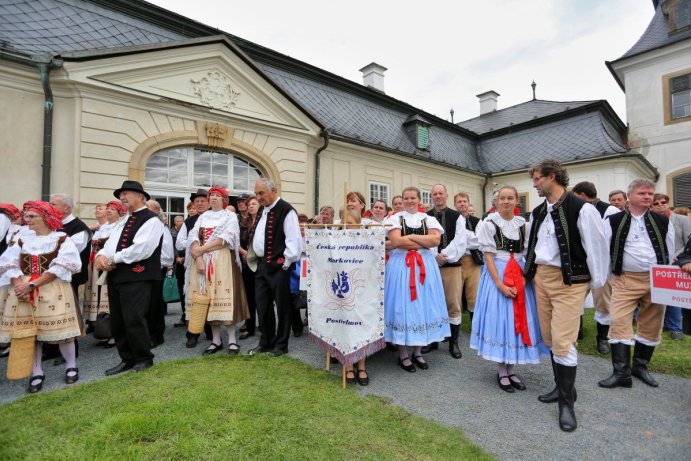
44, 63
44, 70
317, 168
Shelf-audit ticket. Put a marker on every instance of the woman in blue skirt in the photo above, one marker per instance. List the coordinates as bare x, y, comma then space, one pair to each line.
505, 324
414, 305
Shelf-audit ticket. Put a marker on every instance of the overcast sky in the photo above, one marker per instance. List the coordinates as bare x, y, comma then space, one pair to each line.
440, 54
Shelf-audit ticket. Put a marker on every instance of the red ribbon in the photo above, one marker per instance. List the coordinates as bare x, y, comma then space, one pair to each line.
513, 277
411, 259
34, 275
208, 232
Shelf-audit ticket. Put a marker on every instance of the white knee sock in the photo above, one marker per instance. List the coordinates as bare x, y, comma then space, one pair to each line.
231, 334
38, 355
216, 333
68, 353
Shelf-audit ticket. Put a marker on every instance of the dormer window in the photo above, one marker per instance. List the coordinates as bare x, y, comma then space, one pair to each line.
417, 129
679, 15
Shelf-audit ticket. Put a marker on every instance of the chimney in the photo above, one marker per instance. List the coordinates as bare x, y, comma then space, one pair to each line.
488, 101
373, 76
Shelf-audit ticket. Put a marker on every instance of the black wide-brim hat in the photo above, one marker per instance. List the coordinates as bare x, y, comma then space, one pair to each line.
131, 185
199, 193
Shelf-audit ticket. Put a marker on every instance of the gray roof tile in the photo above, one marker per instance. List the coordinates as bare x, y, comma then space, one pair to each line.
520, 113
580, 137
656, 35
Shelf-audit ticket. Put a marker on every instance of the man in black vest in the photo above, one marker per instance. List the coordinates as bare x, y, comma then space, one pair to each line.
5, 223
566, 251
471, 262
451, 249
133, 262
200, 200
638, 238
80, 234
275, 244
601, 296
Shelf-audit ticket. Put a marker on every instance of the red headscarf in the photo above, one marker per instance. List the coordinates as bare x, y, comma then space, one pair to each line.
220, 190
117, 206
10, 210
51, 216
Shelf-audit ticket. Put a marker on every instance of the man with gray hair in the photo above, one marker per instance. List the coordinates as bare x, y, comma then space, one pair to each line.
80, 234
275, 244
638, 238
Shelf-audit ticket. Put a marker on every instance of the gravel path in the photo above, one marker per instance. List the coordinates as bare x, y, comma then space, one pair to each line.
638, 423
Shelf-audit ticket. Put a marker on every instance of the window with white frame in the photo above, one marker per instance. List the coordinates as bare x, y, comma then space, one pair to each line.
378, 191
189, 168
426, 197
680, 94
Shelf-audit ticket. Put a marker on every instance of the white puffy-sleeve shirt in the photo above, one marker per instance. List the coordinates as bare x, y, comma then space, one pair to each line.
144, 244
511, 230
66, 263
414, 221
225, 219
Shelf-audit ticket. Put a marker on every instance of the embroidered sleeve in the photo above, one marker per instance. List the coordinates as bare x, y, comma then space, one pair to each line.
231, 231
9, 266
67, 262
485, 235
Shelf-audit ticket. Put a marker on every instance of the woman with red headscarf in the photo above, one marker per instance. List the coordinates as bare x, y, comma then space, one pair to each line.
215, 256
96, 301
39, 270
11, 228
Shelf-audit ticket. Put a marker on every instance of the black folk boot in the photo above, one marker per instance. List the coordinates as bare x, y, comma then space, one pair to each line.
553, 395
430, 347
641, 357
453, 342
566, 383
602, 343
621, 376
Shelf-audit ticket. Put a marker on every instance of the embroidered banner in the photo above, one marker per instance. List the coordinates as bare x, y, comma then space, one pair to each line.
345, 291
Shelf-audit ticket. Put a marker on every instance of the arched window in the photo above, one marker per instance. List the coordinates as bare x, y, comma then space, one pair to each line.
172, 174
190, 168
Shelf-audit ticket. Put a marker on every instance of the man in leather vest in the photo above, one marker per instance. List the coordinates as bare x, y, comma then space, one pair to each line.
601, 296
471, 262
275, 244
566, 252
638, 238
451, 249
133, 262
80, 234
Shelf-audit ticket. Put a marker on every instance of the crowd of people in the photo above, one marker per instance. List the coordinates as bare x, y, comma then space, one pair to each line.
522, 277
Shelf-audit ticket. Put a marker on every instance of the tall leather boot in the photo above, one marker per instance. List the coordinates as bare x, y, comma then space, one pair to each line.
566, 383
453, 342
602, 343
641, 357
430, 347
553, 395
621, 376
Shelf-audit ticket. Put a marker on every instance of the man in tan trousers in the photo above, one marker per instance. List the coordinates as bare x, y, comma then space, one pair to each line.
638, 238
471, 262
566, 253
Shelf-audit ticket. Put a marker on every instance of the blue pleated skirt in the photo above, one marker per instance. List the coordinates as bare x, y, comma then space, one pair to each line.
419, 322
493, 333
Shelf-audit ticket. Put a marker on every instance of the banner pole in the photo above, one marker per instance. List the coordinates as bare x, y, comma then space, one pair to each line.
343, 377
328, 360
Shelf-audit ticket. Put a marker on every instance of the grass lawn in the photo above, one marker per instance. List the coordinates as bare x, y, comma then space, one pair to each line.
221, 408
670, 357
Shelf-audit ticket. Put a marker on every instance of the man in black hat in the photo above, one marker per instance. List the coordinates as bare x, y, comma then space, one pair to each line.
133, 261
182, 244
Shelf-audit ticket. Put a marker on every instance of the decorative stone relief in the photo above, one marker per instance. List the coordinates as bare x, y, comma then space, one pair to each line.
216, 134
215, 90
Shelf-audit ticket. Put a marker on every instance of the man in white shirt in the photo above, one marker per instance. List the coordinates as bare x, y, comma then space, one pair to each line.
133, 262
275, 244
638, 238
565, 253
158, 308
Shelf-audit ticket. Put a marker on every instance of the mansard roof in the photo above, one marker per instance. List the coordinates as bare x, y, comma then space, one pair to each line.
501, 141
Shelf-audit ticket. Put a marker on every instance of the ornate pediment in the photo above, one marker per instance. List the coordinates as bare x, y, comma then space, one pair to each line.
215, 90
208, 75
